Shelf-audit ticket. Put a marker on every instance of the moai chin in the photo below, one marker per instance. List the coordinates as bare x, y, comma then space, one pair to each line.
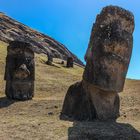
107, 60
20, 71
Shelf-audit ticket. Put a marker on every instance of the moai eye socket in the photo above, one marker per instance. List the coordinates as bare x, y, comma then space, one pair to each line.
110, 31
28, 60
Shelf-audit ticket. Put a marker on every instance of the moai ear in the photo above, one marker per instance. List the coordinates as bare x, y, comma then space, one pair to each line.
28, 53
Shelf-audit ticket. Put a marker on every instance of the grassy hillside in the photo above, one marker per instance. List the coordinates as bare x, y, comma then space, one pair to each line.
38, 119
14, 30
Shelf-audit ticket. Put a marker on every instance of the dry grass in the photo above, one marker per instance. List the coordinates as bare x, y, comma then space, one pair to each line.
38, 119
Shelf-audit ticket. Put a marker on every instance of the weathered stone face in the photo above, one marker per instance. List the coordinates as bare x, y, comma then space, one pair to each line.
110, 49
20, 71
108, 56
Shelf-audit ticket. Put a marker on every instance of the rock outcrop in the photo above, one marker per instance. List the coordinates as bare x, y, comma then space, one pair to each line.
19, 71
11, 30
107, 60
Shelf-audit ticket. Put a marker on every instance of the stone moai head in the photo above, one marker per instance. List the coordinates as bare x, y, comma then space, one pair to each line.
107, 60
20, 71
70, 62
110, 47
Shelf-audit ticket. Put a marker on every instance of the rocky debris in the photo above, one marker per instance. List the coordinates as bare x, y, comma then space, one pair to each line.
69, 62
19, 71
11, 30
107, 60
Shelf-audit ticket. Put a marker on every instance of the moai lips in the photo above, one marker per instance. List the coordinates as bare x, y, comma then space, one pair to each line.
110, 49
107, 60
20, 71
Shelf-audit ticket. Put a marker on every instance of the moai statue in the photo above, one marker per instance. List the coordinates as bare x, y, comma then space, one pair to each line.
62, 62
107, 60
69, 62
20, 71
50, 59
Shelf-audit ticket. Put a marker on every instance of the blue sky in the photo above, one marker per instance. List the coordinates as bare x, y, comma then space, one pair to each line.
70, 22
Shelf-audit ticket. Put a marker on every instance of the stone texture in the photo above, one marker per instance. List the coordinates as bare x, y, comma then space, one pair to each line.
19, 71
110, 49
69, 62
77, 105
107, 60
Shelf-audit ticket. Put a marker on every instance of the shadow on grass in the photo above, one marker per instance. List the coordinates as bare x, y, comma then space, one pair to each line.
5, 102
102, 131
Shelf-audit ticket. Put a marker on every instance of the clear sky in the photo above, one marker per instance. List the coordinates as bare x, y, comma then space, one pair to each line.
70, 22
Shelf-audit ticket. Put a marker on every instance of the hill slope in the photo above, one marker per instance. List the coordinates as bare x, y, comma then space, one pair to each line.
11, 29
38, 119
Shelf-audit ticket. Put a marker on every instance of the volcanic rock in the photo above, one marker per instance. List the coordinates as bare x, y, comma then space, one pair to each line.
107, 60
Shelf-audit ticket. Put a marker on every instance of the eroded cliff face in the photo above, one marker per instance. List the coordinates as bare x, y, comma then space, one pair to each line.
11, 29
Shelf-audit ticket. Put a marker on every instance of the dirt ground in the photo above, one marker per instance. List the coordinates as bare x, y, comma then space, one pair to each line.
38, 119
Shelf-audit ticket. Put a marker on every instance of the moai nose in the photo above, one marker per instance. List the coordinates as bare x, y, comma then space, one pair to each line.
23, 67
22, 72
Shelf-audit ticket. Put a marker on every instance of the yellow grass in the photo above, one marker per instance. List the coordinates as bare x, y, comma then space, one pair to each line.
31, 120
